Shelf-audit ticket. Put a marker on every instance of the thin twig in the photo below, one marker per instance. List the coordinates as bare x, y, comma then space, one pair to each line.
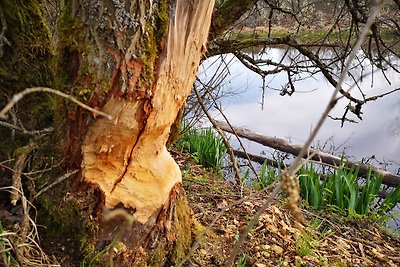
230, 125
56, 182
24, 131
223, 136
20, 95
217, 217
375, 8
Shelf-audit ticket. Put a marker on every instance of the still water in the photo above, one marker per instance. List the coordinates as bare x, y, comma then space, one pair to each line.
292, 117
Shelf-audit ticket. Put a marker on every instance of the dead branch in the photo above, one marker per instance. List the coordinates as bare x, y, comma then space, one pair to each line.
18, 169
20, 95
56, 182
294, 149
24, 131
221, 133
290, 172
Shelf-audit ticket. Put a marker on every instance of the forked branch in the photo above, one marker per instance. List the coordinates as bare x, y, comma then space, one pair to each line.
290, 172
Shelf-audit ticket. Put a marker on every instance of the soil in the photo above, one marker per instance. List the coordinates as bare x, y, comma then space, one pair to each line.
326, 239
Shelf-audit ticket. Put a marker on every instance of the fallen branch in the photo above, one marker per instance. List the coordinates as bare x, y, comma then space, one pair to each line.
275, 164
325, 158
18, 169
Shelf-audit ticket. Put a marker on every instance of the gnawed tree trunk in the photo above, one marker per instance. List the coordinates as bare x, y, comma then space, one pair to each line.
137, 62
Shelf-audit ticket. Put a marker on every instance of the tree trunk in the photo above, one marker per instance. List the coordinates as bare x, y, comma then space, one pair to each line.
136, 61
139, 61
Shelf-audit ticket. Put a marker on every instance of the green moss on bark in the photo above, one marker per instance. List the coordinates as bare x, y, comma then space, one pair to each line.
28, 60
65, 221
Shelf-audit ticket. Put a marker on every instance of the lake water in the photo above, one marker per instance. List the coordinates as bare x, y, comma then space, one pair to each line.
292, 117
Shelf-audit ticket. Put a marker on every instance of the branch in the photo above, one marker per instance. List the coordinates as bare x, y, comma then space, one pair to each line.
227, 14
3, 39
24, 131
19, 96
221, 133
289, 173
219, 46
56, 182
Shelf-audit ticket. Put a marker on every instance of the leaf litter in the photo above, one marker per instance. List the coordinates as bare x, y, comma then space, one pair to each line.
326, 239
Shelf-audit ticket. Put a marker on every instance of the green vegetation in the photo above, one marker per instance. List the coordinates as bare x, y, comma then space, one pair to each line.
305, 36
206, 148
5, 255
340, 190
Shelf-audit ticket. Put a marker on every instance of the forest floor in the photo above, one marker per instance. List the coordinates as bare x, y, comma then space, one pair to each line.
327, 239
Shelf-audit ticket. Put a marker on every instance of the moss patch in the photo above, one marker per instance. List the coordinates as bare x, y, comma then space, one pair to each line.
66, 222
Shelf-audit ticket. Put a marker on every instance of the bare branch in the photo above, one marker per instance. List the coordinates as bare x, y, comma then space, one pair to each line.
290, 172
221, 133
20, 95
56, 182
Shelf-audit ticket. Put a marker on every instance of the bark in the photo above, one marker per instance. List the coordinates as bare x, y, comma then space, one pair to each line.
136, 61
319, 156
227, 14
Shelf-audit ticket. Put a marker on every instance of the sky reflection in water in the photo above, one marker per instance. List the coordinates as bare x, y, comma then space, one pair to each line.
292, 117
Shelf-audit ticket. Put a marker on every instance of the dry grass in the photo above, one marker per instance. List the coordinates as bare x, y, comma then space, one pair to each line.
278, 239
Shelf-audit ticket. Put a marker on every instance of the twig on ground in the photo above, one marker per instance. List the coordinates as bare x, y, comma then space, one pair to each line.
290, 172
20, 95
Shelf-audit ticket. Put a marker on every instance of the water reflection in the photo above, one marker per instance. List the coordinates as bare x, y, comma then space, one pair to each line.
378, 134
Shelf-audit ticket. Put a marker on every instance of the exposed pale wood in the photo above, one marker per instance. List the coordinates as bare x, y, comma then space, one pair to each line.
127, 158
319, 156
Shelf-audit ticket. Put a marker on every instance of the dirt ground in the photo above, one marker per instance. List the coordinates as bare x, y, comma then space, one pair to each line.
278, 239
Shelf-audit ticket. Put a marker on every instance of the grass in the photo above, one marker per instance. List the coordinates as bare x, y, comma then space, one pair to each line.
205, 146
340, 190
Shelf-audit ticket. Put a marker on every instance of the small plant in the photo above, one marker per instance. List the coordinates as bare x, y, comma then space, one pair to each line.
89, 260
267, 175
6, 248
341, 190
242, 261
390, 201
206, 148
